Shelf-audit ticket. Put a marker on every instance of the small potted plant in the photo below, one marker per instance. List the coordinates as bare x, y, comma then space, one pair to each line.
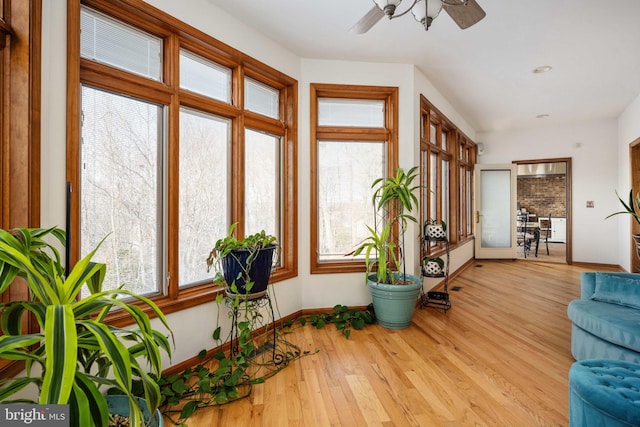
434, 230
75, 352
245, 263
394, 292
632, 207
433, 267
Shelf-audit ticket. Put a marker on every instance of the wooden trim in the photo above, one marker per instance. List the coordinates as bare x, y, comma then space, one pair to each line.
634, 160
569, 196
176, 35
20, 72
429, 115
388, 134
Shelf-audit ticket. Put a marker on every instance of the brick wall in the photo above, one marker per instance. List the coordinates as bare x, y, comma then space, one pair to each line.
543, 195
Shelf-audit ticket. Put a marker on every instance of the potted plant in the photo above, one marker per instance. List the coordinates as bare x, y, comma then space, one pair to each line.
246, 263
433, 267
394, 292
632, 207
435, 231
74, 353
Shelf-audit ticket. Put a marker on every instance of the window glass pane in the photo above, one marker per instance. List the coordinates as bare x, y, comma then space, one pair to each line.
424, 181
432, 134
204, 77
445, 135
445, 193
204, 195
262, 183
120, 188
433, 186
469, 207
461, 201
351, 112
345, 173
261, 99
110, 42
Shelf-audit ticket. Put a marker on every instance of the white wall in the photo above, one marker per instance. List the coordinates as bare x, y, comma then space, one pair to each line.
592, 147
306, 290
628, 131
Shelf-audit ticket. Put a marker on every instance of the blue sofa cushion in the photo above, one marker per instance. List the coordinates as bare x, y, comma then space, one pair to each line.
604, 393
615, 323
617, 289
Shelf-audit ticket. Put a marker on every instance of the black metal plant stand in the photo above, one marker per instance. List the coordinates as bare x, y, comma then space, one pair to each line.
253, 309
436, 299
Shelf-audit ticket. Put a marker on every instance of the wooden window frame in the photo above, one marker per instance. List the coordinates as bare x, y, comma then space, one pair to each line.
20, 94
176, 35
461, 155
389, 134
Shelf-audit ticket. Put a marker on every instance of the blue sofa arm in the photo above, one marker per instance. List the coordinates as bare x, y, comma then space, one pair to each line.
587, 284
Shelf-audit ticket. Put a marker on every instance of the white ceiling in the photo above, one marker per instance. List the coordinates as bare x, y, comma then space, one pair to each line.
484, 71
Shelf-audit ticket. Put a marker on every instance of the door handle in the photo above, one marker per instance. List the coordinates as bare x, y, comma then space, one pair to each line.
477, 217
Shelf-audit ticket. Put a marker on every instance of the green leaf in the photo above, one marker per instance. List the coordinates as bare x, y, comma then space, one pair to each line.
113, 348
188, 409
61, 346
357, 324
91, 406
14, 385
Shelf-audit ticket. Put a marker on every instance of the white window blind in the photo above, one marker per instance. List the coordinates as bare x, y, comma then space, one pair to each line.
351, 112
205, 77
261, 99
114, 43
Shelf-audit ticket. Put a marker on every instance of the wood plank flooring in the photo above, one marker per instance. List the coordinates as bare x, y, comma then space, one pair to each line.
499, 357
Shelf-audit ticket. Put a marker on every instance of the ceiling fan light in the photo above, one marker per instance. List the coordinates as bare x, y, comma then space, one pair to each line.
455, 2
388, 6
425, 11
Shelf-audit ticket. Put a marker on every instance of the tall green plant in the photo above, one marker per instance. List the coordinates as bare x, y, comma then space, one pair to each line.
394, 199
630, 208
74, 353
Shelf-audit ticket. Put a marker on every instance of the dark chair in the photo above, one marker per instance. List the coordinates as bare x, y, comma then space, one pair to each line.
545, 231
524, 237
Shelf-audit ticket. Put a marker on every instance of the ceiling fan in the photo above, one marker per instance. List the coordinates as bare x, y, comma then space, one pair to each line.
465, 13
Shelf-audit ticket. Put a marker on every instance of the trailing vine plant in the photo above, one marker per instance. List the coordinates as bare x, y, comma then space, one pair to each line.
227, 377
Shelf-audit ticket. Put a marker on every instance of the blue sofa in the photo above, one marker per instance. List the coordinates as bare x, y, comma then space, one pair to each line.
606, 318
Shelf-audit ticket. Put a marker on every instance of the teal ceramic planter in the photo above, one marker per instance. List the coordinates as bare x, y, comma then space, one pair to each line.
394, 304
119, 404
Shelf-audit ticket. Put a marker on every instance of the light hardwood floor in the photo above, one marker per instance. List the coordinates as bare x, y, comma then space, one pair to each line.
499, 357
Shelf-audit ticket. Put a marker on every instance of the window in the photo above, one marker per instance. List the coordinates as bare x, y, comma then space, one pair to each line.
120, 185
353, 142
164, 157
447, 161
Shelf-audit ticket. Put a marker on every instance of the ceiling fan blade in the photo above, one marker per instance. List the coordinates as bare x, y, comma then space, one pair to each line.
467, 15
367, 21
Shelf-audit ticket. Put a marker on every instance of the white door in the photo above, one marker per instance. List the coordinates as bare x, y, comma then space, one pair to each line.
495, 204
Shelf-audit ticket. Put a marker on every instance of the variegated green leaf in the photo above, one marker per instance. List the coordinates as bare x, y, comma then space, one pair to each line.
12, 342
13, 386
114, 350
61, 346
92, 408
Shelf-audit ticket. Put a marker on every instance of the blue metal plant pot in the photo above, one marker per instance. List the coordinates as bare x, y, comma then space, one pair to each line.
234, 269
394, 304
